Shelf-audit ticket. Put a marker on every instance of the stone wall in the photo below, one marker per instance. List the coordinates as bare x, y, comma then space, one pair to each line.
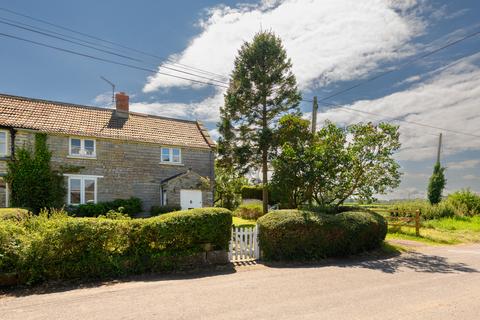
128, 168
190, 180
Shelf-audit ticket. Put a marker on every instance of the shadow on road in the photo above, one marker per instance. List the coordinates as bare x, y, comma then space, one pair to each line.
63, 286
416, 261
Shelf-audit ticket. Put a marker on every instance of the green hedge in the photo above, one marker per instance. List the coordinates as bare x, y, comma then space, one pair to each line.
63, 247
130, 206
249, 211
303, 235
158, 210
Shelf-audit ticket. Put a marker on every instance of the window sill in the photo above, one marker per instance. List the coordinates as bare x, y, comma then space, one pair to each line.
172, 164
82, 157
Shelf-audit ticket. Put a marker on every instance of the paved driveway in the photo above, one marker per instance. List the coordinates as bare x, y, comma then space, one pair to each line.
433, 283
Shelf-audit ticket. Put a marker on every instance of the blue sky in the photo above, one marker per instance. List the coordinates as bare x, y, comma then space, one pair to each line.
333, 45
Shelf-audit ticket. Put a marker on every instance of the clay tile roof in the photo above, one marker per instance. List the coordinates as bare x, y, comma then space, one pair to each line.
71, 119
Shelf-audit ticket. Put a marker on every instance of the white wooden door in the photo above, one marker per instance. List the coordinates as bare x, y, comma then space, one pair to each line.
190, 199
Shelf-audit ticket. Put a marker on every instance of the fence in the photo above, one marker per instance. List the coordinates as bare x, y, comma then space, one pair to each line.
401, 218
244, 244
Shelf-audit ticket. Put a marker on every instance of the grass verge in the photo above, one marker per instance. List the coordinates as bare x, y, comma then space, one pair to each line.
240, 222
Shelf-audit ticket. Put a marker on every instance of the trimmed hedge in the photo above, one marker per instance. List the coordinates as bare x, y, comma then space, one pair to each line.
63, 247
129, 206
303, 235
249, 211
158, 210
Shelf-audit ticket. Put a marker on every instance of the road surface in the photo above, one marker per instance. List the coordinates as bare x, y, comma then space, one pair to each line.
432, 283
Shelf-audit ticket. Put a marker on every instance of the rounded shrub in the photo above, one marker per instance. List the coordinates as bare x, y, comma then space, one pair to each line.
304, 235
249, 211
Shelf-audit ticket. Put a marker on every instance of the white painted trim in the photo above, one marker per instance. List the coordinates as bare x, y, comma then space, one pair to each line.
82, 148
82, 179
7, 145
170, 154
76, 175
82, 157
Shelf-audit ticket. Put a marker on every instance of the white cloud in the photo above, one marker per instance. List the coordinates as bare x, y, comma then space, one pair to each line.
205, 110
466, 164
446, 100
470, 177
327, 40
103, 100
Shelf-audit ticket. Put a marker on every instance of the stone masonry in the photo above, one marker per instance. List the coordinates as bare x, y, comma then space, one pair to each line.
130, 168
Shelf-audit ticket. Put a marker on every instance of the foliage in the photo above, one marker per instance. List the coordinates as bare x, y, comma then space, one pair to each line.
61, 247
228, 186
303, 235
427, 211
158, 210
339, 163
14, 214
251, 211
436, 184
129, 206
252, 192
290, 179
466, 201
262, 88
35, 185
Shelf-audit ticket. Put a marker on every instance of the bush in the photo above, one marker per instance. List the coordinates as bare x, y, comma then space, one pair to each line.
128, 206
303, 235
62, 247
428, 211
158, 210
14, 214
465, 202
252, 192
249, 211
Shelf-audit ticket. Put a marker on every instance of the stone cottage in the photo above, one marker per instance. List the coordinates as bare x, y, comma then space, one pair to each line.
117, 153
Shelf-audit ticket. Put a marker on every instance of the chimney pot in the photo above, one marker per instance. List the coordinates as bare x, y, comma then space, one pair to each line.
122, 105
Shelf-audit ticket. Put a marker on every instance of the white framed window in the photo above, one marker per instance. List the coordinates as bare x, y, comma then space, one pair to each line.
82, 189
3, 143
81, 147
171, 155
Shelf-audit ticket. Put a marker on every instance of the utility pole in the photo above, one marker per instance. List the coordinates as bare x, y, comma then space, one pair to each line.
314, 114
439, 147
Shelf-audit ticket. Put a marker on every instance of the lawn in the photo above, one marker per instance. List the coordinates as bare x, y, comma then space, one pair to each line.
239, 222
441, 231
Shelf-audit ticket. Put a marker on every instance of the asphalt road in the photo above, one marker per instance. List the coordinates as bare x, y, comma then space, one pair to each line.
433, 283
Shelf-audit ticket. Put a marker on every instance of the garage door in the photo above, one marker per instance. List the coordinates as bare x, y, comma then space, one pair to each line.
190, 199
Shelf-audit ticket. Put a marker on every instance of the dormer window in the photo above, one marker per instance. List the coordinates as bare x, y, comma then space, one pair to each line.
171, 155
80, 147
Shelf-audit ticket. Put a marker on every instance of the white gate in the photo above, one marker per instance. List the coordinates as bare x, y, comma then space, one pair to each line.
244, 244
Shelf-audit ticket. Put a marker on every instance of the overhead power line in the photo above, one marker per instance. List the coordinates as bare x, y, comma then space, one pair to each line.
111, 42
108, 60
2, 20
409, 62
402, 120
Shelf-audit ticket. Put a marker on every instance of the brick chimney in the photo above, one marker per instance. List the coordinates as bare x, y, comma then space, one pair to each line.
121, 100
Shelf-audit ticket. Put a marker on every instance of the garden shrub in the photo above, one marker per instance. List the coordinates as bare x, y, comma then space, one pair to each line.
465, 202
61, 247
249, 211
14, 214
427, 211
303, 235
129, 206
158, 210
252, 192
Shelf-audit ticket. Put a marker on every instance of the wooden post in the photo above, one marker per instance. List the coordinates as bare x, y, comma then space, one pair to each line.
417, 223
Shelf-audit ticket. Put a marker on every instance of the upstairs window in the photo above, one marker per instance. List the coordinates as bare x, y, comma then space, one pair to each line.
82, 147
171, 155
3, 143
